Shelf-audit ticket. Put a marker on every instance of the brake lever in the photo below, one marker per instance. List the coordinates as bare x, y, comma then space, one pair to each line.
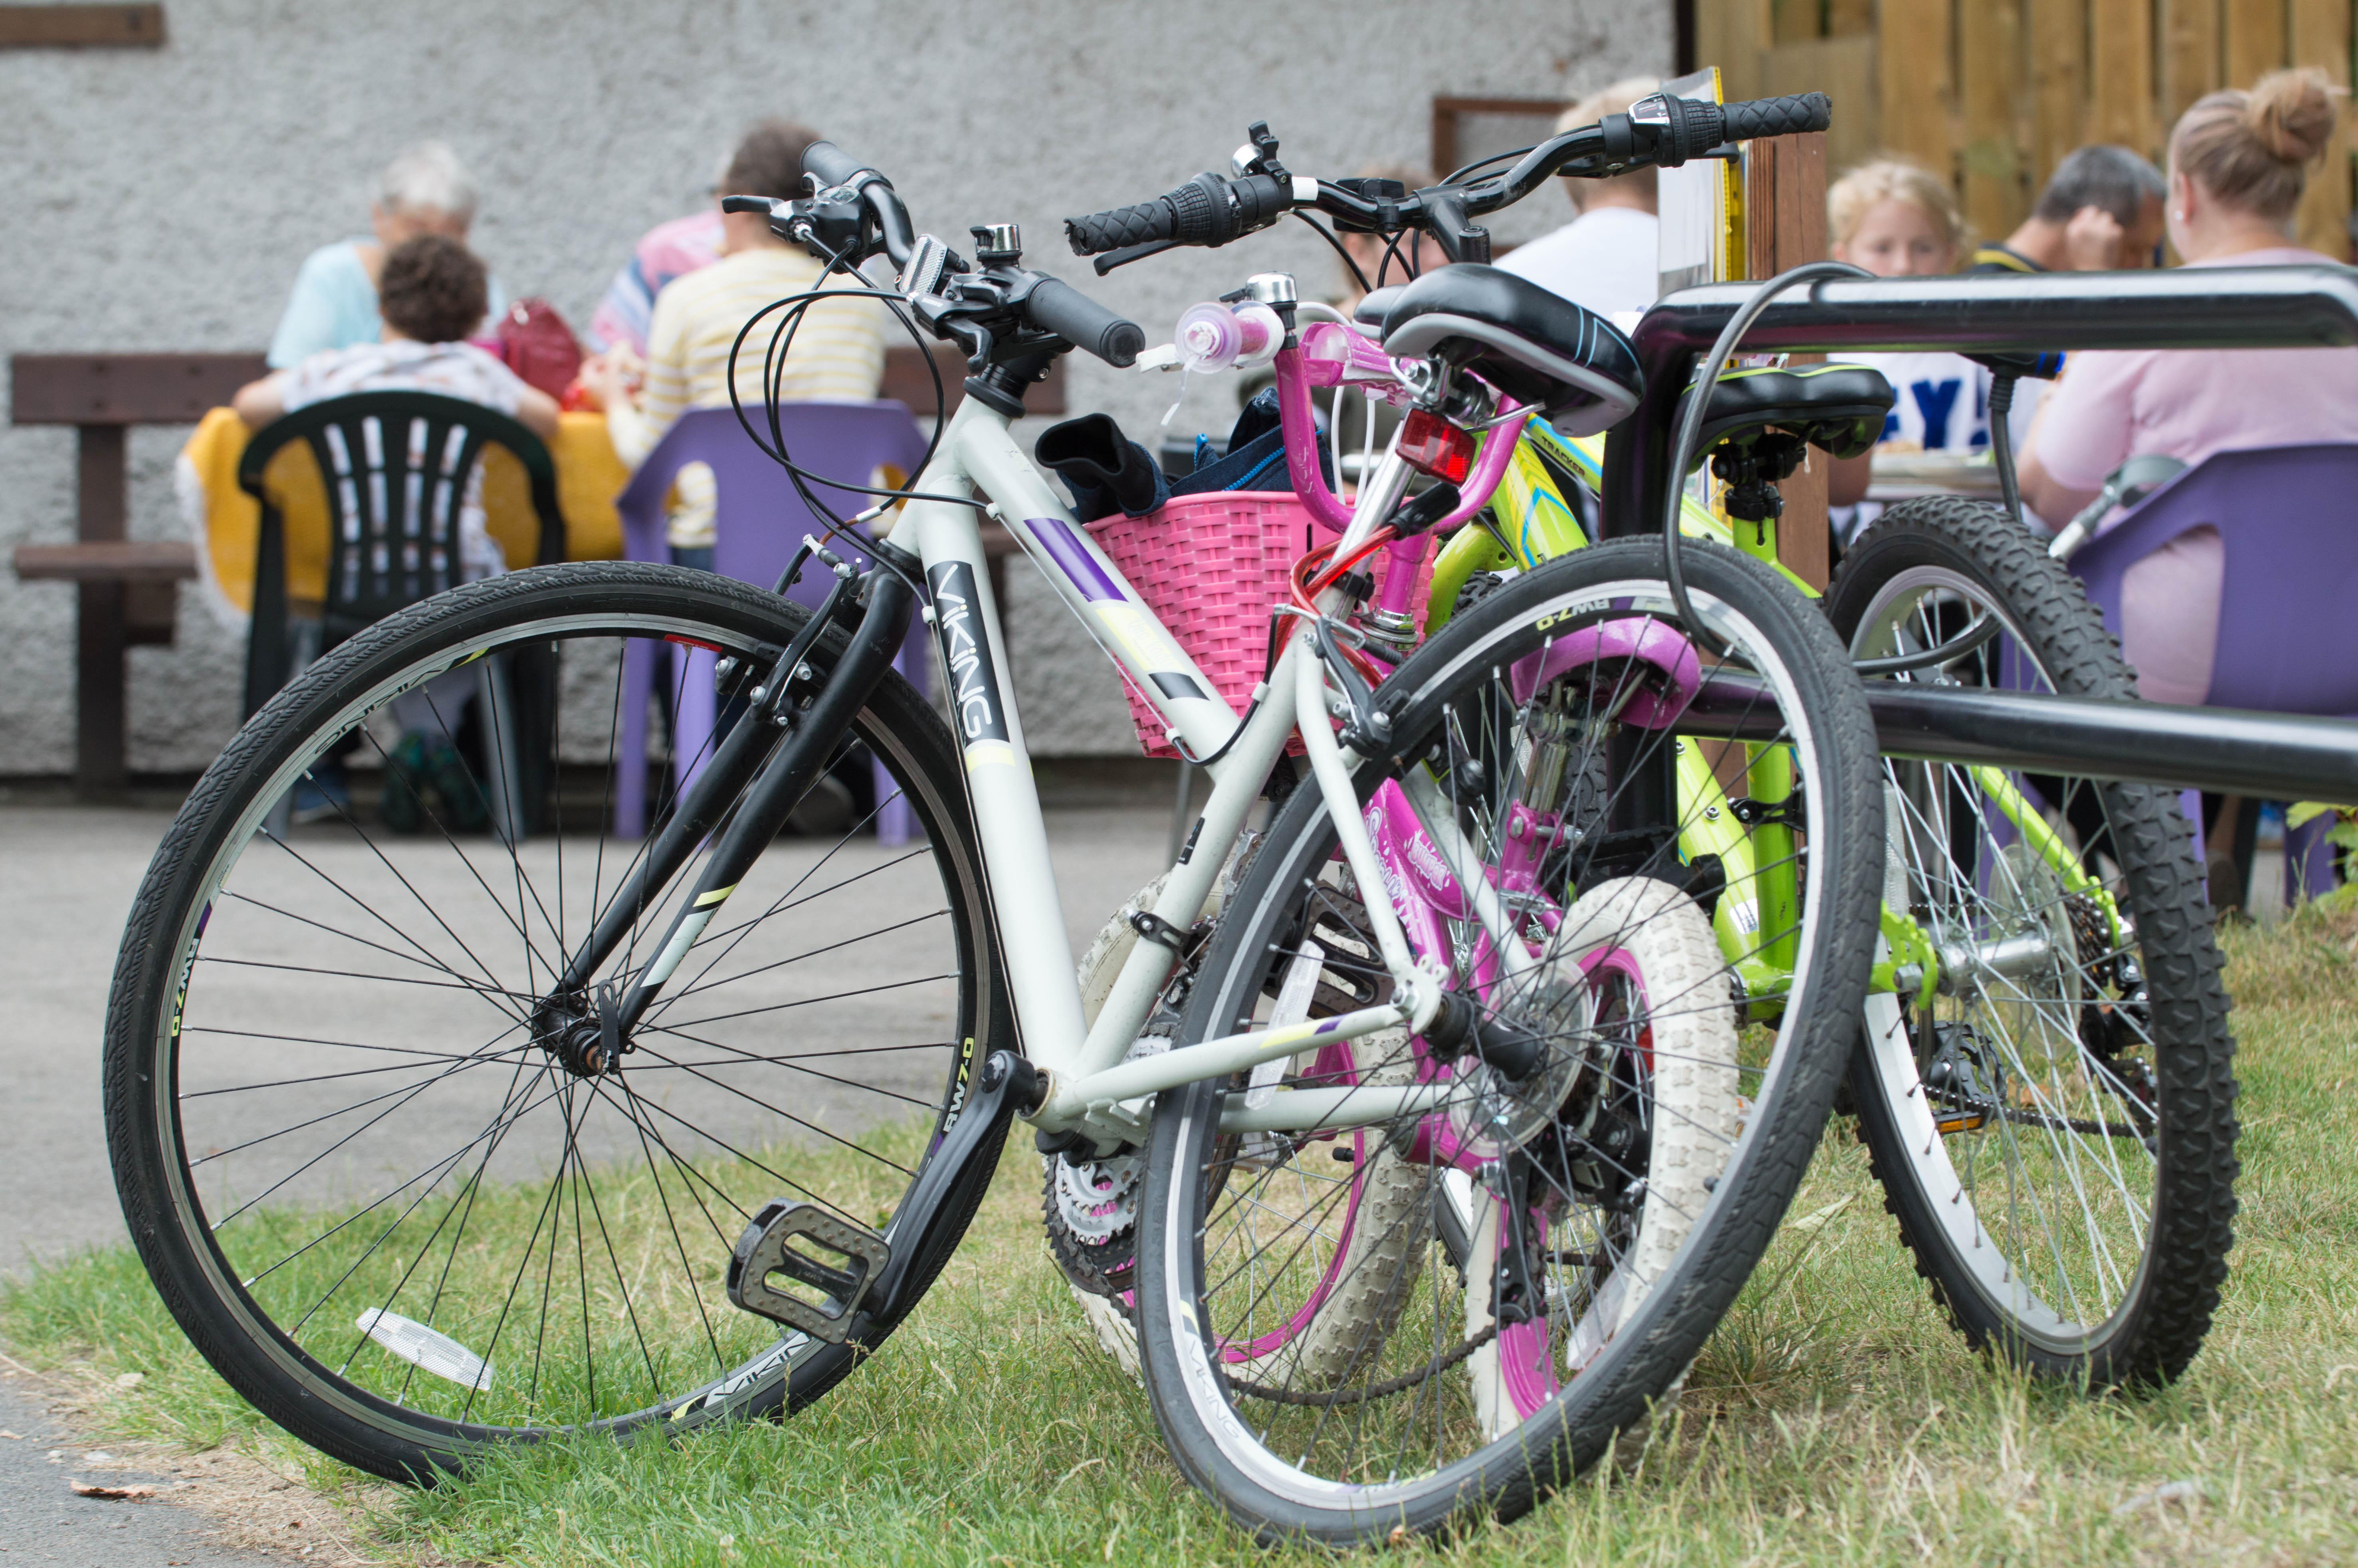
1129, 254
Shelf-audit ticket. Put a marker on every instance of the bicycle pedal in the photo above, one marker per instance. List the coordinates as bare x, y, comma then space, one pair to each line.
765, 1250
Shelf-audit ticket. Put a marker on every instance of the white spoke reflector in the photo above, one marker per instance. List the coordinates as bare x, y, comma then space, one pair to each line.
430, 1349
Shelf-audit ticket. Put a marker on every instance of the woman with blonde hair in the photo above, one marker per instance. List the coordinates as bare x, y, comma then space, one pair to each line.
2238, 163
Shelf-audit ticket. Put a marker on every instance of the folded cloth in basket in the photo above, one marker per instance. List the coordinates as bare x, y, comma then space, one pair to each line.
1256, 454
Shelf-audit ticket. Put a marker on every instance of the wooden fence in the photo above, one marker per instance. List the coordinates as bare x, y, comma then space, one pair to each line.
1994, 92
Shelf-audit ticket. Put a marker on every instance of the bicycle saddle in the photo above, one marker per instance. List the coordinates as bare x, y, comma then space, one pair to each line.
1369, 311
1536, 346
1837, 407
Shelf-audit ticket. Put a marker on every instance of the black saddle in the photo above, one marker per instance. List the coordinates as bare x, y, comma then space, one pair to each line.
1369, 311
1837, 407
1536, 346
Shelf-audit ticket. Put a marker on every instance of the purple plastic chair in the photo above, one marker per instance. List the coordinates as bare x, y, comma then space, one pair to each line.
760, 524
2288, 641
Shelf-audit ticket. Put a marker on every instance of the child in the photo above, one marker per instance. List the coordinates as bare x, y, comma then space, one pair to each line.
430, 293
1897, 220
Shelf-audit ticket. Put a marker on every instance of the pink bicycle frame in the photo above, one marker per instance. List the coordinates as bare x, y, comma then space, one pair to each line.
1352, 358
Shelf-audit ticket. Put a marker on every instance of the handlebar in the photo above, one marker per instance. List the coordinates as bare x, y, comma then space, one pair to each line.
1207, 211
1055, 307
1788, 116
833, 166
1659, 131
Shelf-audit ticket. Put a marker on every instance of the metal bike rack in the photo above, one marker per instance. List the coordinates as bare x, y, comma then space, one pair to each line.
2226, 749
2231, 750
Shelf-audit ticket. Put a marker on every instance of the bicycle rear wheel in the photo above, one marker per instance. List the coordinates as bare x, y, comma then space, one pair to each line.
2054, 1122
1317, 1357
375, 1188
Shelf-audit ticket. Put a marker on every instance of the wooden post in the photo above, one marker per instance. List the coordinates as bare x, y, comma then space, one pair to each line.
1785, 225
102, 490
2120, 74
1915, 65
1989, 89
2058, 84
2320, 37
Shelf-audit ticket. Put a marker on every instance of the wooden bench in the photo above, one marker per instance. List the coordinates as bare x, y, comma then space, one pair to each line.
125, 589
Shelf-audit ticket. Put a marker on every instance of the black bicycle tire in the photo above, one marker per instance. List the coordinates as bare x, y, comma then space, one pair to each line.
2156, 1334
421, 1450
1626, 1381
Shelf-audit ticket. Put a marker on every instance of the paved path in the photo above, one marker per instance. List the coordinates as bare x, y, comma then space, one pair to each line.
68, 875
42, 1521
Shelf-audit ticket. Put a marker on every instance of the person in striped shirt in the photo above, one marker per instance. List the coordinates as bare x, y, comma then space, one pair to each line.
838, 353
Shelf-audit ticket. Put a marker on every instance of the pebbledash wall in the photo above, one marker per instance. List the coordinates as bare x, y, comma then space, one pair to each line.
161, 199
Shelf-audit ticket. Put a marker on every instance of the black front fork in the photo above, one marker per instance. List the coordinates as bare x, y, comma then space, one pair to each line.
755, 779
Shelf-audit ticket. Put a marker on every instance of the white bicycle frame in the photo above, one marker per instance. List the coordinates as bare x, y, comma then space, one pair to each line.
1091, 1085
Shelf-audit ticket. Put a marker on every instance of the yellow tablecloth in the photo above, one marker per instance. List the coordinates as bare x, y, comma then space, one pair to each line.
589, 477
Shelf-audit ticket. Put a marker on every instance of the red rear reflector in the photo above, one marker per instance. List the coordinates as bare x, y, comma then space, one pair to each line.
1432, 445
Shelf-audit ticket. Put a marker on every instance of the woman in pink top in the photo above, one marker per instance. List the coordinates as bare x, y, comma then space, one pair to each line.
2237, 163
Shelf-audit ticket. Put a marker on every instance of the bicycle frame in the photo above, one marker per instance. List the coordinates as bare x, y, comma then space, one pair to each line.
1088, 1083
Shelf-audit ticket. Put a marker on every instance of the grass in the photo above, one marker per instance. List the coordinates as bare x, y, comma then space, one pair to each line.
1834, 1418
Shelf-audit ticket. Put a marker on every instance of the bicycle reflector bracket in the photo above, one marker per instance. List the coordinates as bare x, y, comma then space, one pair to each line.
839, 1262
1433, 447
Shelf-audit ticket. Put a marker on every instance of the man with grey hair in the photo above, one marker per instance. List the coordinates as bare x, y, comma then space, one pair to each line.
425, 190
1607, 257
2101, 212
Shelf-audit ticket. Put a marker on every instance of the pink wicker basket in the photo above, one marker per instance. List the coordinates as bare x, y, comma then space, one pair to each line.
1213, 567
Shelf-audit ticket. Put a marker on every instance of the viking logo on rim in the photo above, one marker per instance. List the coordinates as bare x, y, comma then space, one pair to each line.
974, 685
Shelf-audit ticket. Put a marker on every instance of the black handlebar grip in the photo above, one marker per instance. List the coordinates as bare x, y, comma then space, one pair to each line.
1203, 211
830, 163
1778, 116
1060, 308
1121, 228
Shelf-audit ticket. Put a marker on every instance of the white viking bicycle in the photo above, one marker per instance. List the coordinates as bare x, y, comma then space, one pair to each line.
440, 1140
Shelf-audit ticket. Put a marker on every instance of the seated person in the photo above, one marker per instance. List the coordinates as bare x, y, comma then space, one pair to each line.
2237, 164
618, 328
432, 290
1608, 258
1897, 220
669, 249
2101, 212
425, 191
838, 352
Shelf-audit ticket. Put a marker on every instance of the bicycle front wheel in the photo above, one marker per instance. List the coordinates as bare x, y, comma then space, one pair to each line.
383, 1195
2051, 1111
1356, 1329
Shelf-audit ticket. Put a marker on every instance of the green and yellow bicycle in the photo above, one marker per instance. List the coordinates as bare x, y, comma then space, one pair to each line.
2044, 1075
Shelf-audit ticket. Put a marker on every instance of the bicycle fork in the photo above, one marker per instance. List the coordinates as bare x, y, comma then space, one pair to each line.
754, 780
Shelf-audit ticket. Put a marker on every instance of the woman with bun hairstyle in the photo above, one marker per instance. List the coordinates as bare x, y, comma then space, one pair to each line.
2237, 164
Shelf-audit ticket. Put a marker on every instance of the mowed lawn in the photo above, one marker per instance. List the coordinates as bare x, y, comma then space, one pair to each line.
1834, 1418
